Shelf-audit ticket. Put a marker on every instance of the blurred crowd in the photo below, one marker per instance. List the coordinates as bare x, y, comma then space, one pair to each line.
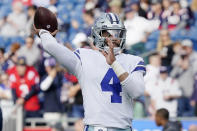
162, 31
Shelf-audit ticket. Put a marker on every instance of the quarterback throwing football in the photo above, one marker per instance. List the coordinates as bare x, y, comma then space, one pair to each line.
109, 79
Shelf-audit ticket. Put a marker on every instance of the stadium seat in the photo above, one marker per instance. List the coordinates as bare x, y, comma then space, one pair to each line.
154, 36
69, 6
78, 2
195, 15
5, 10
194, 44
193, 33
64, 17
6, 1
76, 16
177, 35
79, 7
2, 43
17, 39
61, 37
61, 1
61, 8
7, 41
151, 43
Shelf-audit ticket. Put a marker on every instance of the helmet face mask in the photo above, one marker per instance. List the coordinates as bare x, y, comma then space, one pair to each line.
112, 33
109, 26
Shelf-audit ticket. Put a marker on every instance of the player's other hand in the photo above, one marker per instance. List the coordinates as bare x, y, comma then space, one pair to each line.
20, 101
110, 57
38, 30
53, 73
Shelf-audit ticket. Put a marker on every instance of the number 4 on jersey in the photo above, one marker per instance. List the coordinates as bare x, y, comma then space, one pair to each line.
111, 83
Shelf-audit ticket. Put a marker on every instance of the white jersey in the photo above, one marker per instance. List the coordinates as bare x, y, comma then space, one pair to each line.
107, 102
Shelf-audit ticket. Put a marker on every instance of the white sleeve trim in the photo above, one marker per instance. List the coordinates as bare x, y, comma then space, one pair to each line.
45, 84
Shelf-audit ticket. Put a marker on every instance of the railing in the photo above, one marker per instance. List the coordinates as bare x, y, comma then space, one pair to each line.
65, 122
14, 122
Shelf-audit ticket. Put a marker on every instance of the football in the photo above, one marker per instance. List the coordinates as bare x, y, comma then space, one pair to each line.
45, 19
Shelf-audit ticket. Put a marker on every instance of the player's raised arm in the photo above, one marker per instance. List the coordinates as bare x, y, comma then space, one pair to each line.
62, 54
46, 26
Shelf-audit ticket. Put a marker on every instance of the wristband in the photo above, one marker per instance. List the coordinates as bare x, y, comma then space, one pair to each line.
118, 69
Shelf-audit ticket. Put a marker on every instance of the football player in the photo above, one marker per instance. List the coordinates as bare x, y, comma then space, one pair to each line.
109, 79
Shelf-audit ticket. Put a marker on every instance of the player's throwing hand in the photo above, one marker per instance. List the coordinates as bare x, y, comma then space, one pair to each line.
38, 30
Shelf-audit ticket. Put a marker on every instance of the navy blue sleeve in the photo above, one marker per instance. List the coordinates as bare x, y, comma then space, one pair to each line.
14, 96
35, 89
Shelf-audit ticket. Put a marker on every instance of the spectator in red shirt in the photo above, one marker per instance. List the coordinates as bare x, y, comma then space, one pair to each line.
24, 83
25, 2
